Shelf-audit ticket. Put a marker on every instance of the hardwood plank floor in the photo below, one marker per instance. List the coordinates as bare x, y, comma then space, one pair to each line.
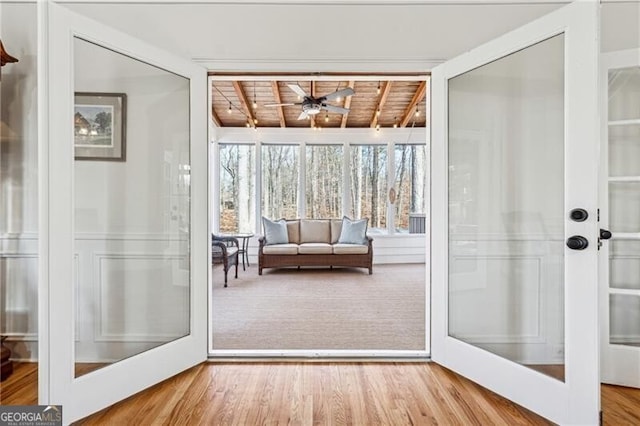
309, 393
21, 387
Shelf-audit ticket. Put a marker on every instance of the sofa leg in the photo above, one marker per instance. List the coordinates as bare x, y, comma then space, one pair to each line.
236, 269
259, 271
371, 271
225, 278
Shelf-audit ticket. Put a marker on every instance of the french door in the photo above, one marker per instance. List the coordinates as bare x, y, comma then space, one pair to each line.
124, 226
620, 260
515, 243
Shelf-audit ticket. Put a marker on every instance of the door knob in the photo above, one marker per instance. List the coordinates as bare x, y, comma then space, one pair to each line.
578, 215
605, 234
577, 242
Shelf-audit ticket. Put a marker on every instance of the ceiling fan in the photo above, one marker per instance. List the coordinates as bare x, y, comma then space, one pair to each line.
313, 106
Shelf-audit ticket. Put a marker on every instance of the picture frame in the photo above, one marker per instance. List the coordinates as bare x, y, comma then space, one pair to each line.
100, 126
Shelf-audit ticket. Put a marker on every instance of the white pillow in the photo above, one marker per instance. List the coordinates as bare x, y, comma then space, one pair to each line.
353, 231
275, 232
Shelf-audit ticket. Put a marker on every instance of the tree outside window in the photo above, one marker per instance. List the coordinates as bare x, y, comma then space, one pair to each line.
410, 183
280, 168
237, 188
369, 185
324, 185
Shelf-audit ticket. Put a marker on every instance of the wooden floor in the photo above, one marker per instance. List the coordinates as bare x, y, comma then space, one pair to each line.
309, 393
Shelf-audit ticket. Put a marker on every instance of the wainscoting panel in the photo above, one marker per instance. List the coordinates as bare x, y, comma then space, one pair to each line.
509, 295
19, 294
132, 294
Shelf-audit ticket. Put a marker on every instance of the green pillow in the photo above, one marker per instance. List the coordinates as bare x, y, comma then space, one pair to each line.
275, 232
353, 231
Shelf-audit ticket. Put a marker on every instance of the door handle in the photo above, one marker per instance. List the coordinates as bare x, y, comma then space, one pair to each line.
605, 234
577, 242
578, 215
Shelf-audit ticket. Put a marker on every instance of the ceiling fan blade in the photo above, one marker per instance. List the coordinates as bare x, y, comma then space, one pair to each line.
336, 109
277, 105
299, 91
303, 115
339, 94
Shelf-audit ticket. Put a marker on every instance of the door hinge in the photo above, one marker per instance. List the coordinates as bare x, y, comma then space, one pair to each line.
598, 215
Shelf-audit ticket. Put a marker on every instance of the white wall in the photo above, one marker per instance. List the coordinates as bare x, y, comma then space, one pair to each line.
19, 182
620, 26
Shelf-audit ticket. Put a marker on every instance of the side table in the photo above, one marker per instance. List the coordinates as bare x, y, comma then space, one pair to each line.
243, 239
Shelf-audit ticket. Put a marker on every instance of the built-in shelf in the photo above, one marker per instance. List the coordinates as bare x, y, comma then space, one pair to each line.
624, 179
626, 235
624, 122
626, 291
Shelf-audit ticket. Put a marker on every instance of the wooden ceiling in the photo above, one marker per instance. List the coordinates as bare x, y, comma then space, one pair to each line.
396, 101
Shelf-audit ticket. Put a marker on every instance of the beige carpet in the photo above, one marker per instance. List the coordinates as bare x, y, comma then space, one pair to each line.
341, 308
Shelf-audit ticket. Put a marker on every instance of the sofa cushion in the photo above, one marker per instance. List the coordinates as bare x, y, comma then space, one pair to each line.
350, 249
315, 248
280, 249
336, 228
293, 230
315, 231
275, 232
353, 231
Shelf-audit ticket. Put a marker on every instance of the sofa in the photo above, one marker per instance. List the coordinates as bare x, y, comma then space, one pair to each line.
315, 242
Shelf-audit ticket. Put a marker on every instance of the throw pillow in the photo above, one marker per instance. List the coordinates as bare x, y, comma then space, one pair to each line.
353, 231
275, 232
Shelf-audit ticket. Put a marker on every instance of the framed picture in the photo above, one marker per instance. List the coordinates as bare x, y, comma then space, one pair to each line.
99, 123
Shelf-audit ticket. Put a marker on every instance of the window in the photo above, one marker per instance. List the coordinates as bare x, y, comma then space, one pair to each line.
372, 168
324, 186
410, 186
280, 181
369, 185
237, 188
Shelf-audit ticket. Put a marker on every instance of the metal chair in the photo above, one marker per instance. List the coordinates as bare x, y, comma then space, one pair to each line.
224, 250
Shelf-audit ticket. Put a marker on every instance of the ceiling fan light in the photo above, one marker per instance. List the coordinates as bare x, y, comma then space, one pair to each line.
229, 111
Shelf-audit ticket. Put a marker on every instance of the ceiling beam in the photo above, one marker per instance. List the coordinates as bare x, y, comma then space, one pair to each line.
417, 97
347, 104
244, 101
312, 121
215, 117
276, 94
383, 98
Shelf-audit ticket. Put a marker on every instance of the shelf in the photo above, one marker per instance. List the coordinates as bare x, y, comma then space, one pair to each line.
625, 291
624, 122
624, 179
626, 235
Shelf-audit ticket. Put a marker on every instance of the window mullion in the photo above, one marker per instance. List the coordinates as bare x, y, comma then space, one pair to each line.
302, 181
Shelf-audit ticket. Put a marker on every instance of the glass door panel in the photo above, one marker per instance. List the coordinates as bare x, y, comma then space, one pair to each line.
132, 206
506, 221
